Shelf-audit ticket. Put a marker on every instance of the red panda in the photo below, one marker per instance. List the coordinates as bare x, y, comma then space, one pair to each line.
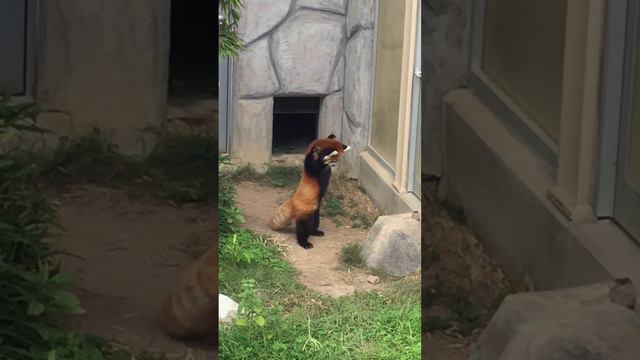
304, 206
191, 309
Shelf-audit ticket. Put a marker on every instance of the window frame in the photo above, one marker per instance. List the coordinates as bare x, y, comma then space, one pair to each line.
30, 61
626, 198
401, 172
613, 71
499, 101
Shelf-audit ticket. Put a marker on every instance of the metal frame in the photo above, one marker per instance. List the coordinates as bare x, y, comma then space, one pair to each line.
612, 83
416, 109
627, 199
500, 102
30, 56
224, 103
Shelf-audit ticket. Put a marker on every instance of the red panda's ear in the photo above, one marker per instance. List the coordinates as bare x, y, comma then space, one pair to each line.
315, 152
331, 136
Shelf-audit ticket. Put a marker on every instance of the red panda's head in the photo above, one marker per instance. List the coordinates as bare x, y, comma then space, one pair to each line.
328, 150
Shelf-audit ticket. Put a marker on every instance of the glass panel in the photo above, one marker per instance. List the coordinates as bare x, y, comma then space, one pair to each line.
386, 98
12, 46
633, 171
523, 54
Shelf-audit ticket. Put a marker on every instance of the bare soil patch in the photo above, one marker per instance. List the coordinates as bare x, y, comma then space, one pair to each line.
127, 255
462, 285
319, 267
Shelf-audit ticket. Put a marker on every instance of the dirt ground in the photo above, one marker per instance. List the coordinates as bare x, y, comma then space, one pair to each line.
127, 254
319, 267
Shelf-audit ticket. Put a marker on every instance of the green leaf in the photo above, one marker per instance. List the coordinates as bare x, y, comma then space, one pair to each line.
260, 321
68, 301
43, 331
35, 308
63, 279
242, 322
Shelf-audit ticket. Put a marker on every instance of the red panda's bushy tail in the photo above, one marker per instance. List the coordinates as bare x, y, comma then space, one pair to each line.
190, 310
282, 217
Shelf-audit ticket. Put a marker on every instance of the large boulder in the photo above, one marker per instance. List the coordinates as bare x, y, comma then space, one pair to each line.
583, 323
305, 50
255, 74
261, 16
393, 245
334, 6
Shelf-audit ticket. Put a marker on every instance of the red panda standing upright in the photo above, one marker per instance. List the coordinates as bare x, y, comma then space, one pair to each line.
304, 206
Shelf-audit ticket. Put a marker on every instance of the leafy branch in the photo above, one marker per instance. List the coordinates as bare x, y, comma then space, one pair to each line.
229, 42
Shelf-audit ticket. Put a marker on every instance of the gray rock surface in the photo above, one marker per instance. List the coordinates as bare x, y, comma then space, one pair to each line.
305, 49
335, 6
357, 96
393, 245
251, 140
580, 323
261, 16
255, 74
331, 116
360, 14
337, 78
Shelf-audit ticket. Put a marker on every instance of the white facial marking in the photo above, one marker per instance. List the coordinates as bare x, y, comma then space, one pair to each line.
348, 147
334, 153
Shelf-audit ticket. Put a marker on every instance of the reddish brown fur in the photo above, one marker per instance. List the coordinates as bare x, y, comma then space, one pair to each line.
304, 201
191, 309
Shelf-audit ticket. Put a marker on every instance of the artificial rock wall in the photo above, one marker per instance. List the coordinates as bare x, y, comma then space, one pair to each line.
318, 48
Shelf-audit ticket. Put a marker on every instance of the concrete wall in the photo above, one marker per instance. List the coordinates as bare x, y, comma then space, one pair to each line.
104, 64
445, 59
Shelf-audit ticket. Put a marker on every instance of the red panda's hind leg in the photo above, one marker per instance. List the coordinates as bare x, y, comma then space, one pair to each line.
316, 223
303, 230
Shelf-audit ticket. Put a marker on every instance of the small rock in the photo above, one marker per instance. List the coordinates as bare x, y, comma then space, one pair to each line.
371, 279
227, 309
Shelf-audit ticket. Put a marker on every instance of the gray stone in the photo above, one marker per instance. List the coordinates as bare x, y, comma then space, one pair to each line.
360, 14
393, 245
255, 74
357, 90
305, 48
251, 140
337, 78
335, 6
261, 16
577, 323
227, 309
330, 120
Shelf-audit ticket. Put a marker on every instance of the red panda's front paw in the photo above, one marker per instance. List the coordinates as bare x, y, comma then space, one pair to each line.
307, 245
317, 232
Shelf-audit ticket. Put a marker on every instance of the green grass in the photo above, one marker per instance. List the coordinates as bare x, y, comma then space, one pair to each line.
350, 255
88, 347
299, 323
279, 176
180, 168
